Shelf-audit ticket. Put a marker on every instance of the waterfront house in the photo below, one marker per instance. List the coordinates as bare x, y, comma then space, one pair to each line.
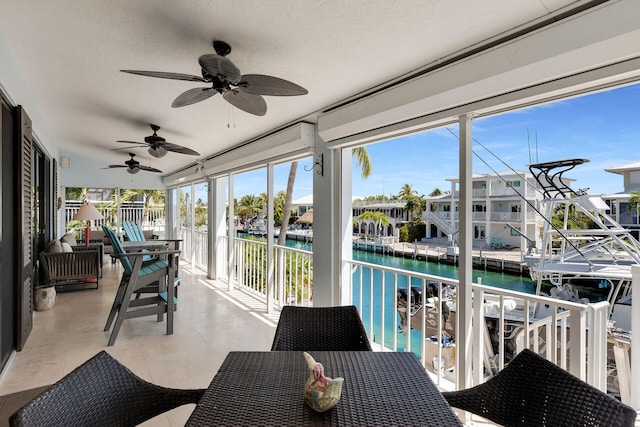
619, 202
373, 72
504, 205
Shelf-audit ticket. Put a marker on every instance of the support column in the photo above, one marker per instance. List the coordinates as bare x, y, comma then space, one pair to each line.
230, 235
216, 226
331, 225
270, 244
343, 219
635, 344
323, 206
464, 294
171, 208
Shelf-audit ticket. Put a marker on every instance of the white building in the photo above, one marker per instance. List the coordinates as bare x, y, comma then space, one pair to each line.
502, 201
393, 209
619, 202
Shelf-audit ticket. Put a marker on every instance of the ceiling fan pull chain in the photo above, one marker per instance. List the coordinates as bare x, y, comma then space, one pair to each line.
232, 117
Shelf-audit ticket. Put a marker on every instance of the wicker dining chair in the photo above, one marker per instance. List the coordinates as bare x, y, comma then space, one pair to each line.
101, 392
531, 391
320, 328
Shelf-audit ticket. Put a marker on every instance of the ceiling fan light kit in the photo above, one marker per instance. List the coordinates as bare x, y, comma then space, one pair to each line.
157, 152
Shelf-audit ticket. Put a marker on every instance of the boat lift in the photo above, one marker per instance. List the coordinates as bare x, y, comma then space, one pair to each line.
531, 244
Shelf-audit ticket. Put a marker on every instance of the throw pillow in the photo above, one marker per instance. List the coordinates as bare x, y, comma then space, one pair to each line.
70, 239
66, 247
54, 247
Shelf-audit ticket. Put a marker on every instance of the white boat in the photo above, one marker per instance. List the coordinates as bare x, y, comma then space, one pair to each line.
578, 264
585, 264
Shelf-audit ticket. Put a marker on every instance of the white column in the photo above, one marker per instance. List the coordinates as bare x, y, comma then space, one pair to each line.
192, 221
342, 162
170, 210
464, 295
230, 235
270, 244
331, 226
216, 220
635, 344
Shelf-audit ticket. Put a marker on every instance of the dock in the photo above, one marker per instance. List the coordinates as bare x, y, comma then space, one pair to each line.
508, 261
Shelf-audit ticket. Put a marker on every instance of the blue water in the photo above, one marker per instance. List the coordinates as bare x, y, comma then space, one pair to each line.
490, 278
391, 317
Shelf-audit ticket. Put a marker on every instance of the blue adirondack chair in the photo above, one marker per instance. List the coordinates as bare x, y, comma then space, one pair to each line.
134, 233
139, 277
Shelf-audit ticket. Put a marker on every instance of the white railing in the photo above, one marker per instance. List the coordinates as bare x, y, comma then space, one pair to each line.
150, 219
510, 321
200, 251
293, 272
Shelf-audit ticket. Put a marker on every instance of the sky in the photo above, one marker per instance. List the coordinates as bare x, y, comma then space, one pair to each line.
602, 127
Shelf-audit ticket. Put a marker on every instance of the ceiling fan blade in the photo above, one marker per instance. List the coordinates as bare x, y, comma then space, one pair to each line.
216, 65
179, 149
192, 96
148, 169
164, 75
118, 166
253, 104
133, 142
259, 84
126, 148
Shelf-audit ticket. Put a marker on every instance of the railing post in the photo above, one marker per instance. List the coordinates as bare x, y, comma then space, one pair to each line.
478, 335
597, 345
577, 343
635, 344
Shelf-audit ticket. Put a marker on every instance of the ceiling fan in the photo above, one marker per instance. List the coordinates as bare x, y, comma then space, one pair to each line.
158, 146
134, 166
242, 91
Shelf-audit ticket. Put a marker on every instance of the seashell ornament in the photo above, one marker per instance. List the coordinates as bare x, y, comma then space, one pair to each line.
322, 393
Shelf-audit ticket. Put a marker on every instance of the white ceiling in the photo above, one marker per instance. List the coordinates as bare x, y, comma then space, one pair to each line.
69, 53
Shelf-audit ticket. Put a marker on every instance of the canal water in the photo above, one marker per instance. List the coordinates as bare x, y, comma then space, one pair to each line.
392, 333
489, 278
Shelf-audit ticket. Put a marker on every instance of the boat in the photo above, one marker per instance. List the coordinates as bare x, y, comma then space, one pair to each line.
577, 264
584, 264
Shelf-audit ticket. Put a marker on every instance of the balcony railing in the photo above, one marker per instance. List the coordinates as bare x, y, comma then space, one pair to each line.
151, 218
510, 322
411, 311
293, 272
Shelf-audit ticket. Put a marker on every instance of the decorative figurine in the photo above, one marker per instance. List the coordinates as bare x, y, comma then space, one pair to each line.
322, 393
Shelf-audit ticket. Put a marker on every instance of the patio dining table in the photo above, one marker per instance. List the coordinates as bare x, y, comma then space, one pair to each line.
267, 388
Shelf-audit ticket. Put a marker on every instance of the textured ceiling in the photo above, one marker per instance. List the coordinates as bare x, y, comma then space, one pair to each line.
70, 53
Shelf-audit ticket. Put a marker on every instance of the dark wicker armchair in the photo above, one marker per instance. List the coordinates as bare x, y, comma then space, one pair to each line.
531, 391
68, 270
320, 328
102, 392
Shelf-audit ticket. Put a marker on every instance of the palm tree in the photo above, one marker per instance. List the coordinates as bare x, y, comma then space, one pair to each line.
413, 202
364, 163
75, 193
148, 197
406, 192
634, 201
278, 208
378, 218
436, 192
248, 206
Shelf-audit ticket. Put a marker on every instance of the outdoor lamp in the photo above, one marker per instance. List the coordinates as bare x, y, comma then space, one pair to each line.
87, 212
